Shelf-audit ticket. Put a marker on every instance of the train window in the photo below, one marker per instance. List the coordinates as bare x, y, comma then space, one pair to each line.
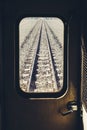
41, 54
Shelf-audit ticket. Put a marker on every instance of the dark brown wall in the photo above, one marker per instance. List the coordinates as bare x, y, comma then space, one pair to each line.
20, 113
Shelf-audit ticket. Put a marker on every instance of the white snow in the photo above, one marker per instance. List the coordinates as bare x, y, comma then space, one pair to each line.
26, 24
58, 27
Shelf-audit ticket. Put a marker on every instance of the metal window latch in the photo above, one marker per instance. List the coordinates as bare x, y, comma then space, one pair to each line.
71, 107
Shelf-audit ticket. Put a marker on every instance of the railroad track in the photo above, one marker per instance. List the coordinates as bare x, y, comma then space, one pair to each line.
42, 69
57, 52
27, 55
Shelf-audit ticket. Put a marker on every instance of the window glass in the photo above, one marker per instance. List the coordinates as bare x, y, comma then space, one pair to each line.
41, 59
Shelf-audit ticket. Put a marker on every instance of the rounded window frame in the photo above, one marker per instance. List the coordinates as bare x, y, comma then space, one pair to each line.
41, 95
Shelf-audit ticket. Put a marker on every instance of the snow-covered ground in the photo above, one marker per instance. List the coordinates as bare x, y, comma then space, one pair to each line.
58, 28
27, 23
25, 26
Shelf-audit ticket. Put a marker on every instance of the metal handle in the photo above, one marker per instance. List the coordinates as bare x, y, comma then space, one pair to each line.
71, 107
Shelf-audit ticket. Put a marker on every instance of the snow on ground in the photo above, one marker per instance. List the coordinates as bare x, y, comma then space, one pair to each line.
25, 26
58, 28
